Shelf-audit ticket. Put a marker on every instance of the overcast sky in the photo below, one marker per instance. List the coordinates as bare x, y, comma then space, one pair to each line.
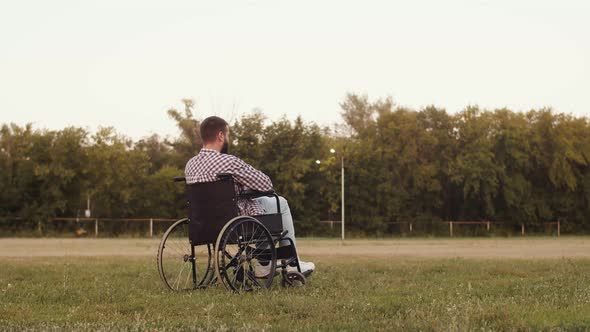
123, 63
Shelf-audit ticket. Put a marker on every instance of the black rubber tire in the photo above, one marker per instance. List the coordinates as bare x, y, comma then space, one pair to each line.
293, 279
175, 261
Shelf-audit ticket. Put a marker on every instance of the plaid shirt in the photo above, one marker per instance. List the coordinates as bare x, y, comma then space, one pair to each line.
205, 166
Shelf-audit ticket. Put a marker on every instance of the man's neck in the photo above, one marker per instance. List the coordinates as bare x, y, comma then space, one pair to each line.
211, 147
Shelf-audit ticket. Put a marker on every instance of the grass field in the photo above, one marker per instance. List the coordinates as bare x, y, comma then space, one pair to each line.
429, 284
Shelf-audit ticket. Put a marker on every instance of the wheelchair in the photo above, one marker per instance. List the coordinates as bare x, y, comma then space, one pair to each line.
216, 244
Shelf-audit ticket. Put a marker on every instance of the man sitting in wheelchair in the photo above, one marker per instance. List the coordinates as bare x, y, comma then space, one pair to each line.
213, 159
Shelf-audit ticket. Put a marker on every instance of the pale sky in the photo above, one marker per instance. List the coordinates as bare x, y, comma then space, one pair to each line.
123, 63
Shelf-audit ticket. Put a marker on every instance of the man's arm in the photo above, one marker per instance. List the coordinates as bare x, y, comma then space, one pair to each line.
249, 176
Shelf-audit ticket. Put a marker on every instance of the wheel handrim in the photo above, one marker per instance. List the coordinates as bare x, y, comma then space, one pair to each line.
242, 245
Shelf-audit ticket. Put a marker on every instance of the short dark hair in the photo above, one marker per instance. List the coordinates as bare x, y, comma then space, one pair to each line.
210, 127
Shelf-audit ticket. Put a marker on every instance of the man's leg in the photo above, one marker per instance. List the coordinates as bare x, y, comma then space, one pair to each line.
270, 206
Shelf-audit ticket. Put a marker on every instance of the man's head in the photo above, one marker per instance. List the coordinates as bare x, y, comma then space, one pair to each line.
215, 134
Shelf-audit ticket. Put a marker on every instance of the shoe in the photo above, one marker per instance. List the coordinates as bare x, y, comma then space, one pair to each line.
261, 271
306, 267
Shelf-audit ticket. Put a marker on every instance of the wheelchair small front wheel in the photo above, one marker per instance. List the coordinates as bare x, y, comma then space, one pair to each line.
181, 265
293, 279
245, 255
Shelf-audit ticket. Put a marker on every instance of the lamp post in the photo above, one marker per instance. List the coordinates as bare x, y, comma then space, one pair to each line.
87, 211
333, 151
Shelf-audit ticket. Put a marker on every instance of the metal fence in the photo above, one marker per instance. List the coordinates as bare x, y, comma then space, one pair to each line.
110, 227
98, 220
453, 225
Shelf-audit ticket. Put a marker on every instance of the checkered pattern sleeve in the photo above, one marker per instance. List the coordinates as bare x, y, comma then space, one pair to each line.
249, 176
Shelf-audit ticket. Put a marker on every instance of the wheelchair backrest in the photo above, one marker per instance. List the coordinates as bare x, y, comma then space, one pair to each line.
210, 206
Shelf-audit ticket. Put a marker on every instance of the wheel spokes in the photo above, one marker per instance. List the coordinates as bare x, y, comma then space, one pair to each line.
177, 258
238, 260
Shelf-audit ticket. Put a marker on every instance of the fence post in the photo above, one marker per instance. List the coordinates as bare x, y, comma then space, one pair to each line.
558, 228
411, 228
151, 227
488, 226
451, 228
522, 229
95, 227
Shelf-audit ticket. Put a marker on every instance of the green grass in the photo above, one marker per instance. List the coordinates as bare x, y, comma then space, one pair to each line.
356, 294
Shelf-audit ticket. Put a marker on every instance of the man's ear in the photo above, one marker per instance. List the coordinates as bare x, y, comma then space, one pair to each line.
221, 136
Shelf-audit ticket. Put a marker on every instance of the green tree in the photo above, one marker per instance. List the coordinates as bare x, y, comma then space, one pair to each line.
113, 171
189, 142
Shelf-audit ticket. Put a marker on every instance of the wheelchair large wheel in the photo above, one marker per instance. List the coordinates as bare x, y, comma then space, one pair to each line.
243, 245
181, 265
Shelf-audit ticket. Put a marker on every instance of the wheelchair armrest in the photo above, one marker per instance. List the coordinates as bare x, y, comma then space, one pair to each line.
224, 175
250, 193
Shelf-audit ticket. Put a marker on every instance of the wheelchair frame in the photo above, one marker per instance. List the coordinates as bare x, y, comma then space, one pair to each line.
210, 205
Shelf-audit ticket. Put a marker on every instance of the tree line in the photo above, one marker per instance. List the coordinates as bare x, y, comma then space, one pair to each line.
423, 166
